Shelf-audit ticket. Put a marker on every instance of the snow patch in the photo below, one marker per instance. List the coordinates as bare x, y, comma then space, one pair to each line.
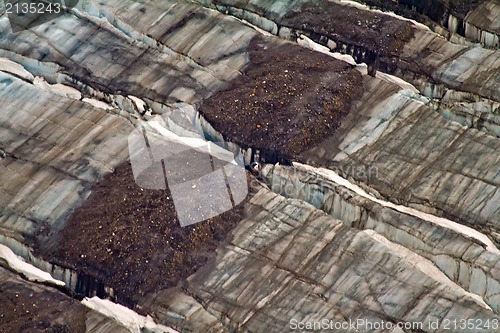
18, 70
397, 81
258, 29
129, 318
139, 103
425, 265
442, 222
97, 103
156, 130
29, 271
58, 88
12, 67
310, 44
389, 13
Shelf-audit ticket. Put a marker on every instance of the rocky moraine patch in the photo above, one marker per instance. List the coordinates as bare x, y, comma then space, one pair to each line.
288, 99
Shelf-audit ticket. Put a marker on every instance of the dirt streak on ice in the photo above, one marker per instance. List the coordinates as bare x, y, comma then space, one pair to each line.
443, 222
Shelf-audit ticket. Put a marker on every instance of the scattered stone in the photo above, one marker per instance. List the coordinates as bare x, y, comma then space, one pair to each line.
135, 246
32, 307
288, 99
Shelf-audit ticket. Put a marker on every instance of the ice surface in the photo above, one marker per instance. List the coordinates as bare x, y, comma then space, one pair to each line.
59, 89
139, 103
30, 272
9, 66
365, 7
443, 222
423, 264
129, 318
310, 44
97, 103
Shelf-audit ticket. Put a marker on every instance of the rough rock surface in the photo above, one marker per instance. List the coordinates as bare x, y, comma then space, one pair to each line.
427, 60
459, 21
28, 307
284, 83
288, 260
139, 246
